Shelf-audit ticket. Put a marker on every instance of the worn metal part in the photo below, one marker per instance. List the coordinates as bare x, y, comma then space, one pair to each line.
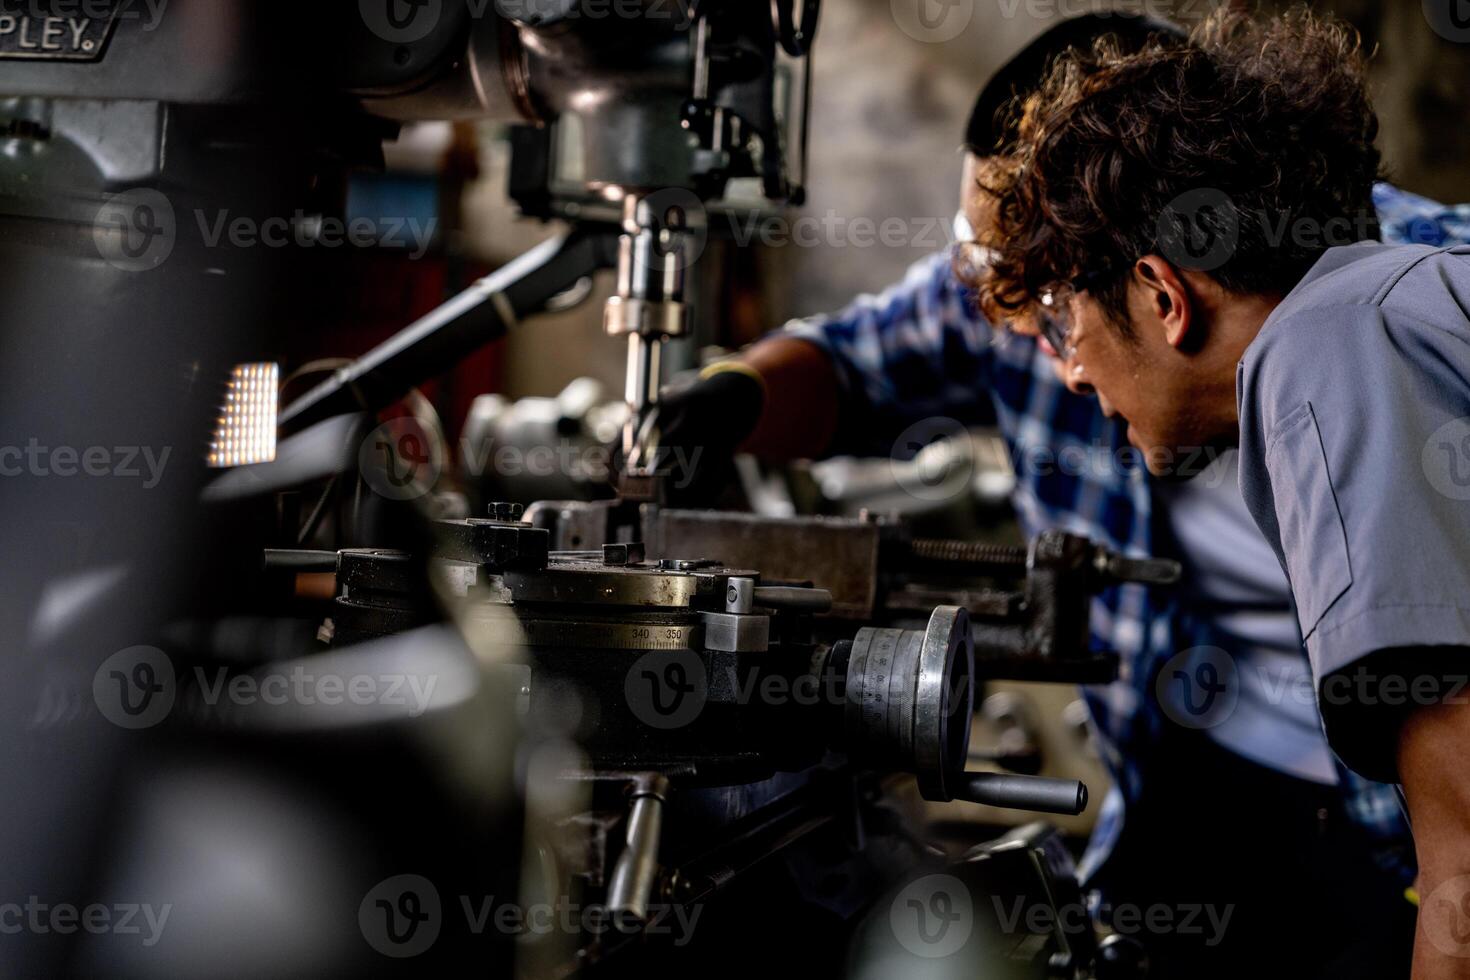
734, 633
987, 603
740, 595
1044, 795
648, 308
376, 571
379, 592
998, 556
595, 584
575, 525
909, 698
507, 512
844, 552
1030, 607
686, 564
623, 554
636, 870
793, 598
498, 544
589, 632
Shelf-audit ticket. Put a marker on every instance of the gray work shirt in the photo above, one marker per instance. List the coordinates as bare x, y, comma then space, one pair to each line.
1355, 452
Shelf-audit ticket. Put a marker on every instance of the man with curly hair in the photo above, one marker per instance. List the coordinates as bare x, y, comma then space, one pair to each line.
1185, 226
1245, 811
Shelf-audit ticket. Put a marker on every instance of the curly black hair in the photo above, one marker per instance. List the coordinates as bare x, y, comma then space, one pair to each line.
1244, 153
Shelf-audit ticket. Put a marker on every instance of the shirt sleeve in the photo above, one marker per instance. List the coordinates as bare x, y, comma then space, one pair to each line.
1355, 462
1409, 219
917, 351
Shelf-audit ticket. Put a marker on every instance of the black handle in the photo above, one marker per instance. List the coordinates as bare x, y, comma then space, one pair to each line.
1066, 796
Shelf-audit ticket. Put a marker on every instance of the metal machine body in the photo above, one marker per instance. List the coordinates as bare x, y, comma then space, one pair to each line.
552, 748
681, 680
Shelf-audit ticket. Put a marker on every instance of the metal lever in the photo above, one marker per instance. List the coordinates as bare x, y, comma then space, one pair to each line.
633, 876
1065, 796
299, 560
793, 598
437, 341
1148, 571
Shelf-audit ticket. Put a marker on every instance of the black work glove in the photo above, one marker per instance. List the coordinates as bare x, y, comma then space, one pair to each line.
700, 426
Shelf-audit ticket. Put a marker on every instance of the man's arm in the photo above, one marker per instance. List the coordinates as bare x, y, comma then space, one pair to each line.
1433, 745
799, 416
848, 382
1347, 409
1433, 740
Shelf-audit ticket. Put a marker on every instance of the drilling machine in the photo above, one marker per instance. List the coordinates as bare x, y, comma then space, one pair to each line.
640, 710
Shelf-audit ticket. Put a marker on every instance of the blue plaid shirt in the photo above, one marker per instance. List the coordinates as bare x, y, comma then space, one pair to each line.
919, 351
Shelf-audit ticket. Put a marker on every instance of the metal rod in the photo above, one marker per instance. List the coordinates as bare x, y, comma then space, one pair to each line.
1065, 796
436, 342
299, 559
631, 886
793, 598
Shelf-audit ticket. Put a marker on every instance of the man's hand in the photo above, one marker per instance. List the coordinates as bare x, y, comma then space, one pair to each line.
778, 401
1434, 744
700, 425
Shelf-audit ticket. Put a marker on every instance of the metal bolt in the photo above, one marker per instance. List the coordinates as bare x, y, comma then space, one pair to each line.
510, 513
630, 553
740, 595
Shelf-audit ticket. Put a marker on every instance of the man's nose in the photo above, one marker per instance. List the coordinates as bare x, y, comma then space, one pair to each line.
1073, 375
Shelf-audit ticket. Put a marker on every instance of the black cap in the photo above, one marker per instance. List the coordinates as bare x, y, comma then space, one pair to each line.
1023, 73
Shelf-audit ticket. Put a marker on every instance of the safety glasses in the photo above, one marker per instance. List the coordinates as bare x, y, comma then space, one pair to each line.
1054, 318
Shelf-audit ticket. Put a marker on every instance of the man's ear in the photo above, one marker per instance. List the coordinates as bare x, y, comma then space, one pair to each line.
1166, 297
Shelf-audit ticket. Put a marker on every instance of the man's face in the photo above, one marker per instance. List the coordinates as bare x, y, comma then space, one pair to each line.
1138, 375
1142, 377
